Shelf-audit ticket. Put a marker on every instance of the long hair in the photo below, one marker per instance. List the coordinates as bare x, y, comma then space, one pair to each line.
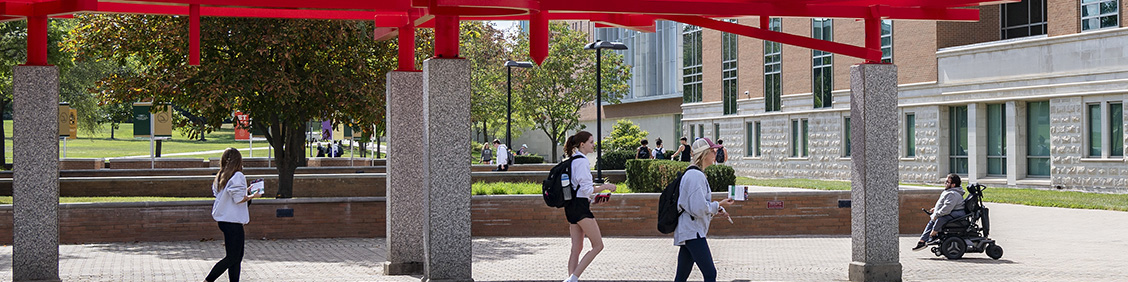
230, 162
699, 158
574, 141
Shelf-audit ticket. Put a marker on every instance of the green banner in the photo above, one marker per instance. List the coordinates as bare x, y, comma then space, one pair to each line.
141, 119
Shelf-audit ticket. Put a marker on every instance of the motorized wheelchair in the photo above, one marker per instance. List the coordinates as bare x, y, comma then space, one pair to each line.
969, 233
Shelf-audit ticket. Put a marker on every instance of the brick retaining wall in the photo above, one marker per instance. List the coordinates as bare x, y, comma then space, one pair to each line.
804, 213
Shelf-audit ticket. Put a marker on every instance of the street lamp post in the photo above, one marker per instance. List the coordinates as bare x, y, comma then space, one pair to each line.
598, 46
509, 97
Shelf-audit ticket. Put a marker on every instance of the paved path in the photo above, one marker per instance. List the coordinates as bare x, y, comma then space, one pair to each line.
1041, 244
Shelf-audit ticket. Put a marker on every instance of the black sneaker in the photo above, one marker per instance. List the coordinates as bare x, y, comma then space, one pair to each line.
920, 246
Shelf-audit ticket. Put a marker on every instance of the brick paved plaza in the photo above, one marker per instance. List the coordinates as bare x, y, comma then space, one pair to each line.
1041, 244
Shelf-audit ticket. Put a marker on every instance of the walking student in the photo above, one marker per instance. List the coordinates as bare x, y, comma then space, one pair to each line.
693, 224
578, 210
722, 153
659, 152
230, 211
682, 154
643, 152
502, 156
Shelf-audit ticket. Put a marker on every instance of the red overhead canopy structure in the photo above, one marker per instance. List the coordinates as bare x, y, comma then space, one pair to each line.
399, 18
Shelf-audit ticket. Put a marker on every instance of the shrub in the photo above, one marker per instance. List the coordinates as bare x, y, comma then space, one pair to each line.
528, 159
651, 176
615, 159
625, 135
720, 177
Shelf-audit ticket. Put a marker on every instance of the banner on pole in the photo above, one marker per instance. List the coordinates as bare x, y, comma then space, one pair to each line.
242, 124
68, 121
143, 116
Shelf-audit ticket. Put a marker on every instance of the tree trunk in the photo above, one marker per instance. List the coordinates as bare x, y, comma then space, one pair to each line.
113, 127
202, 126
289, 147
158, 148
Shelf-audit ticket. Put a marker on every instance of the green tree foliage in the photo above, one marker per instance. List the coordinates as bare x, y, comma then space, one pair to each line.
487, 48
625, 136
553, 93
281, 72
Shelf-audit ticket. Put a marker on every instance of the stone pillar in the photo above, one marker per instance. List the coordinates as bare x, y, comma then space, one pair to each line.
446, 207
404, 204
875, 214
976, 142
35, 173
1016, 142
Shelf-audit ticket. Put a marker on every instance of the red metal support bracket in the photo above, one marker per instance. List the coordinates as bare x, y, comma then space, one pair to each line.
36, 41
789, 39
446, 36
194, 34
538, 36
406, 50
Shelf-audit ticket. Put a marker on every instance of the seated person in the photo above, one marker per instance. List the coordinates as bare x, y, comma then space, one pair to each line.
949, 206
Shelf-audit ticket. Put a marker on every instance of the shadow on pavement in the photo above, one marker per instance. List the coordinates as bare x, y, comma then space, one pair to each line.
259, 250
972, 260
490, 249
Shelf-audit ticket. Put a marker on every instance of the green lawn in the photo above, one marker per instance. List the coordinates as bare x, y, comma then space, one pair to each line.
99, 144
509, 188
1029, 197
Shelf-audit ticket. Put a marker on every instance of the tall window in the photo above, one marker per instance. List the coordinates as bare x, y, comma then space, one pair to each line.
910, 135
728, 69
1038, 138
677, 127
700, 131
846, 137
822, 67
799, 138
753, 140
716, 132
1098, 14
996, 139
1094, 132
1023, 19
887, 41
1116, 129
957, 134
691, 66
773, 67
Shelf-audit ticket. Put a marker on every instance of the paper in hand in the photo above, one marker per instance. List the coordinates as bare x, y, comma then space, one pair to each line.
738, 192
257, 186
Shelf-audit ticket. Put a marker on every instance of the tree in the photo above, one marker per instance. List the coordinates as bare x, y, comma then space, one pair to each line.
625, 135
487, 49
553, 93
281, 72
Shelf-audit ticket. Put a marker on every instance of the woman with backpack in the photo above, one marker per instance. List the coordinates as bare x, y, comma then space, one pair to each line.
693, 224
578, 210
643, 152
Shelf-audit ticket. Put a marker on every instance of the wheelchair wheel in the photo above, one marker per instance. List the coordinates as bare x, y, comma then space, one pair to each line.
953, 248
994, 251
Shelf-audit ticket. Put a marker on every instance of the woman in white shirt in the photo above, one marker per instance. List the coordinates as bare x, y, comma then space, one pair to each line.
578, 210
230, 210
699, 209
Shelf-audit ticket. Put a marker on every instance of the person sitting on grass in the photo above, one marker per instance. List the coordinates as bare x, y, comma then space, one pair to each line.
950, 206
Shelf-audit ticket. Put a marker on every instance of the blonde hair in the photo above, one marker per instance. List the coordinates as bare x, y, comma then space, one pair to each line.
230, 162
698, 159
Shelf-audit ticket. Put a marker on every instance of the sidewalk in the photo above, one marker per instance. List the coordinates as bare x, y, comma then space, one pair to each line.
1041, 244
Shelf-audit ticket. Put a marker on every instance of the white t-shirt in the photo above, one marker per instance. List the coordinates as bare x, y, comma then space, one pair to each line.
227, 206
581, 177
502, 155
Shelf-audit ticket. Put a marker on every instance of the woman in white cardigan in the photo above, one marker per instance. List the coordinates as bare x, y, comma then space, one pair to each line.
230, 211
698, 210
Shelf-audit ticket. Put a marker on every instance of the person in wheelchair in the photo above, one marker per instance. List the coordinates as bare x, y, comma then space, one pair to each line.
949, 206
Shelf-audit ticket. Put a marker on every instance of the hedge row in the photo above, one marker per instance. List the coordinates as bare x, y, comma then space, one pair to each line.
651, 176
528, 159
615, 160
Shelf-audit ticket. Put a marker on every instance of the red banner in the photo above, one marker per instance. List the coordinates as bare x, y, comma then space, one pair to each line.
242, 127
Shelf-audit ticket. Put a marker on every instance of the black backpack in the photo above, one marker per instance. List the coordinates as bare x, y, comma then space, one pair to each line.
668, 211
659, 154
554, 192
721, 157
643, 153
509, 157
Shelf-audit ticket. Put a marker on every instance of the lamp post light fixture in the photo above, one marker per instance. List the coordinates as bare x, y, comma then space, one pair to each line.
598, 46
509, 97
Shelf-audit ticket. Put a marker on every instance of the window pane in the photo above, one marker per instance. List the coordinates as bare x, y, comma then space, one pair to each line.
1094, 121
716, 132
846, 137
910, 135
996, 166
958, 131
996, 130
1116, 132
806, 138
758, 152
1038, 138
795, 138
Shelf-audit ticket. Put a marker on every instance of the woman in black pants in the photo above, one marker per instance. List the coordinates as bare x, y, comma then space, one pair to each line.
230, 210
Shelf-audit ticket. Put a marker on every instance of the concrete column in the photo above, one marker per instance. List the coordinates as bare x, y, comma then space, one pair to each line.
405, 173
1016, 142
976, 142
446, 207
35, 173
874, 216
943, 142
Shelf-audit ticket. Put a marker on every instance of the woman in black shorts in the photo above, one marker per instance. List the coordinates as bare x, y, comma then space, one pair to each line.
578, 211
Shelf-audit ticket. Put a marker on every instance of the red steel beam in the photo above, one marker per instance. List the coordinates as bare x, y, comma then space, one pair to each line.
37, 41
406, 50
446, 36
127, 8
194, 35
381, 5
538, 36
789, 39
652, 7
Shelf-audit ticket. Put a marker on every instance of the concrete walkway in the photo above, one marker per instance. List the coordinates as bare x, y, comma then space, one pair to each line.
1041, 244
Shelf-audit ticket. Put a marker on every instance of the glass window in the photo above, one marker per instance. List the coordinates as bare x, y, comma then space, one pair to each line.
773, 67
691, 64
1038, 138
700, 131
799, 138
1098, 14
1021, 19
957, 134
752, 138
677, 127
910, 135
822, 73
759, 151
887, 41
729, 54
996, 139
846, 137
716, 132
1116, 130
1094, 133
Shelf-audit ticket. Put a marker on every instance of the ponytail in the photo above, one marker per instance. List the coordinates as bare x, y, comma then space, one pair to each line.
574, 141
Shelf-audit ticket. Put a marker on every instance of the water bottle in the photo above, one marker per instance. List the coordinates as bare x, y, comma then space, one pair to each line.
566, 186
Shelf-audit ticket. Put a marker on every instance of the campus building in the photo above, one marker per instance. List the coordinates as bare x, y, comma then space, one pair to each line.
1031, 95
